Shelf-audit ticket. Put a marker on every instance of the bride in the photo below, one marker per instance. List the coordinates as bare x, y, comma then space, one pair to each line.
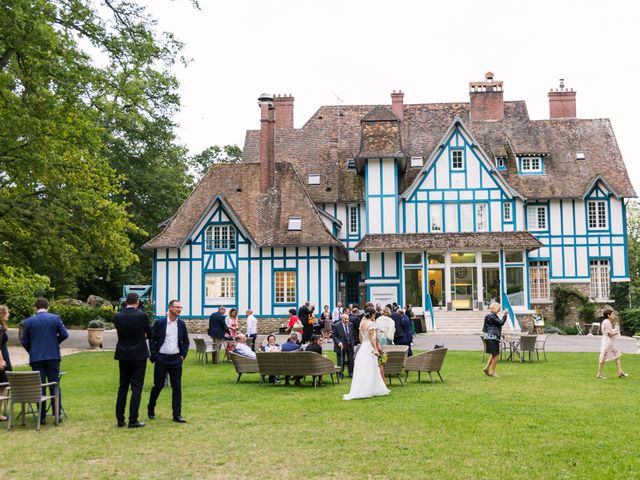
367, 381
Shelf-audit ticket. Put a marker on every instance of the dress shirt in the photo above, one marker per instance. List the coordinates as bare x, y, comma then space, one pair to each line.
335, 315
170, 345
245, 351
252, 325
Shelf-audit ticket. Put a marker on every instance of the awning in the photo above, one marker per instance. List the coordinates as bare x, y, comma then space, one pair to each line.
400, 242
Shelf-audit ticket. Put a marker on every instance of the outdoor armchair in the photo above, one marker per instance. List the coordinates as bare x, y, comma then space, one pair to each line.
26, 388
426, 362
396, 355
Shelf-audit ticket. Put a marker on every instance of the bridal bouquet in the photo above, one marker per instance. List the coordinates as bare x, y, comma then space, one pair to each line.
382, 358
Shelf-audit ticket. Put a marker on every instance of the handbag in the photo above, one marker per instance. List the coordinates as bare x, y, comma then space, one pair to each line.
298, 325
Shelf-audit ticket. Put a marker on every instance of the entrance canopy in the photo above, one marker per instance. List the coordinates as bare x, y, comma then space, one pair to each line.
447, 241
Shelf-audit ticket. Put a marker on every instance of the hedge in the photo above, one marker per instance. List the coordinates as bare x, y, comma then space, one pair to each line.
630, 321
81, 316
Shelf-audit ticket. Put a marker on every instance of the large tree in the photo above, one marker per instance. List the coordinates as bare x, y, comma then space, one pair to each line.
88, 159
633, 238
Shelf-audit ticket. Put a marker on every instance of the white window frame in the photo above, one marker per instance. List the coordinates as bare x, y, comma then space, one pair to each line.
416, 162
451, 217
600, 278
454, 160
436, 217
352, 211
597, 217
539, 220
351, 164
530, 164
284, 291
507, 213
482, 217
295, 224
466, 217
220, 237
222, 291
313, 179
501, 163
539, 288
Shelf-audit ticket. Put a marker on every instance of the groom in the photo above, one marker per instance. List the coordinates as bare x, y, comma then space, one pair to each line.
344, 339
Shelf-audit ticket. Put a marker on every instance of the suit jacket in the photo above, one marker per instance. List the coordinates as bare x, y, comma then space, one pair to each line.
338, 334
406, 326
217, 325
398, 336
42, 335
133, 330
159, 332
303, 314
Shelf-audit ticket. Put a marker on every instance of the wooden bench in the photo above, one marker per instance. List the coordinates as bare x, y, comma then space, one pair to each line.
296, 364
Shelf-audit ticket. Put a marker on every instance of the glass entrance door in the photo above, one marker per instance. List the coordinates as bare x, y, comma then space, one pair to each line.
464, 291
413, 286
436, 287
515, 286
490, 285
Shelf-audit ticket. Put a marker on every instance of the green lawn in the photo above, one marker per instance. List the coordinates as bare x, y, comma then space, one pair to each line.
542, 420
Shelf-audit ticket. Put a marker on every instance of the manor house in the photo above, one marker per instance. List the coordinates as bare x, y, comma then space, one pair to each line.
445, 206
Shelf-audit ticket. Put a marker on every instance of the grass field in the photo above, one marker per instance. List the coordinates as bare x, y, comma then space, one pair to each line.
542, 420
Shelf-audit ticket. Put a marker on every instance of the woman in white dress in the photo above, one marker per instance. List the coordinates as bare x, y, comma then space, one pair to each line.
367, 381
608, 350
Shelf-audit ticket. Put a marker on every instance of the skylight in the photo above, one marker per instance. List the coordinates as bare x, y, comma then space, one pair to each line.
295, 223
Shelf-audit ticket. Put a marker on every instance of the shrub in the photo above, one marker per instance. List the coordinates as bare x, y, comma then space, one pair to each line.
551, 329
561, 298
620, 294
81, 316
19, 289
95, 324
630, 321
587, 311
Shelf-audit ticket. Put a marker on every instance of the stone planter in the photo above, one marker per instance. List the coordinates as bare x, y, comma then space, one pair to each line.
637, 337
95, 335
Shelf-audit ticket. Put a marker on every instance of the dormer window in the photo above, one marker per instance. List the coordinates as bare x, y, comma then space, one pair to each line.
531, 165
416, 162
314, 179
457, 159
501, 163
351, 164
295, 223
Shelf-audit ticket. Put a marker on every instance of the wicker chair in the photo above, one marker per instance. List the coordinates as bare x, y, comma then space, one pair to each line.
4, 395
541, 341
244, 365
426, 362
26, 388
296, 364
203, 350
396, 355
527, 345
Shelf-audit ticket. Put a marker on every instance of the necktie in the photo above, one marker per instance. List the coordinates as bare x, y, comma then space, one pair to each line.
346, 333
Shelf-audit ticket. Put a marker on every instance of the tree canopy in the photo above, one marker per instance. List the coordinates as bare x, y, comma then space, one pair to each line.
89, 163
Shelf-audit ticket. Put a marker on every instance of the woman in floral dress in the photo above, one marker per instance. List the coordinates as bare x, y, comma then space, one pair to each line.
232, 323
608, 350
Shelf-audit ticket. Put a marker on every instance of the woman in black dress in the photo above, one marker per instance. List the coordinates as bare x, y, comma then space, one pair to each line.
5, 361
492, 330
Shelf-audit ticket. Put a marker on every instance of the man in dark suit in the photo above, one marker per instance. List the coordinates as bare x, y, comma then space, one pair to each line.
398, 336
344, 340
217, 329
304, 314
169, 347
42, 335
133, 329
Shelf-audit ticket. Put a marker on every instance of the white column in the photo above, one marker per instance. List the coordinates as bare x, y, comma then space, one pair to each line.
447, 278
479, 282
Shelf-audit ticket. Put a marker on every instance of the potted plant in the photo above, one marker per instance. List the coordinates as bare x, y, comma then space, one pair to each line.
95, 333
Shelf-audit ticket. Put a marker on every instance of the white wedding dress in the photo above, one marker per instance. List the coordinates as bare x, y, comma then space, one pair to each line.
367, 381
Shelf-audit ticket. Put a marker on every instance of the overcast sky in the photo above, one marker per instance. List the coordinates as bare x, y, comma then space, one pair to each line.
360, 51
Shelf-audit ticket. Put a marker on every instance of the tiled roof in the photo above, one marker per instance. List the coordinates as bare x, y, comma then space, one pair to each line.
447, 241
265, 217
308, 148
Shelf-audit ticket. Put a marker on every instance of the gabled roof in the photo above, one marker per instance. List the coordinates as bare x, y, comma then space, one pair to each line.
594, 184
262, 217
422, 128
380, 114
484, 158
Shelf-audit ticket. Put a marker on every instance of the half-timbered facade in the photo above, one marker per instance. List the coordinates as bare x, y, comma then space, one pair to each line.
444, 206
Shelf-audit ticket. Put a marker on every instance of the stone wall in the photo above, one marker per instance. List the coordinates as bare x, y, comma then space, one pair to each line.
573, 308
265, 325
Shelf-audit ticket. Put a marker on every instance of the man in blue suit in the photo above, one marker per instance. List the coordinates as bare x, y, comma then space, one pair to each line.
42, 335
169, 345
217, 330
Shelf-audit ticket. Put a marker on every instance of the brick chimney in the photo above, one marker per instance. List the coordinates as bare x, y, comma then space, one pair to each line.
284, 111
562, 102
267, 142
486, 102
397, 104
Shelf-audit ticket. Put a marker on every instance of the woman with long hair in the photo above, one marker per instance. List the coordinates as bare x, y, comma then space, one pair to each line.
5, 361
232, 323
608, 350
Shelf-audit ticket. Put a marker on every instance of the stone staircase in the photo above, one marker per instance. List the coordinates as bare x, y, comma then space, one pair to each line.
461, 322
